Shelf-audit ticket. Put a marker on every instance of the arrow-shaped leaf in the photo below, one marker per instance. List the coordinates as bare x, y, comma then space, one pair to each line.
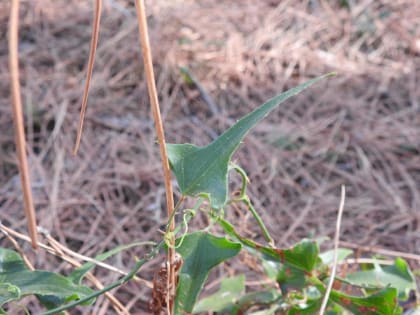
203, 170
201, 252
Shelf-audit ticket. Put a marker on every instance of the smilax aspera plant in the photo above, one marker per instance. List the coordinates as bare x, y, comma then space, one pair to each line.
300, 279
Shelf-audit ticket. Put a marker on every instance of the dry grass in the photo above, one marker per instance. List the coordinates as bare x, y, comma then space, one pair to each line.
361, 128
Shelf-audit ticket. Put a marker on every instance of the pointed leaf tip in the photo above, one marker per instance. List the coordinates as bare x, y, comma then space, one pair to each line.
204, 170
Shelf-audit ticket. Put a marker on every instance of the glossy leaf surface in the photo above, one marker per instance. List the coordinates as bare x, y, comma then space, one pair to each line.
201, 252
383, 302
225, 298
18, 281
204, 170
303, 255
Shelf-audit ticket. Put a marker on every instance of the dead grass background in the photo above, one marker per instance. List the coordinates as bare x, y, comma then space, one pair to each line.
361, 128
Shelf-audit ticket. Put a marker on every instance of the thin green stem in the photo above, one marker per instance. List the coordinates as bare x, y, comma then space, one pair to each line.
176, 208
245, 199
259, 220
245, 179
188, 215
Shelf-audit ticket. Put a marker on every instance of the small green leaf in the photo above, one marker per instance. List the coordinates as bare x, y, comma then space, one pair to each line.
310, 304
20, 281
46, 283
328, 257
271, 268
51, 301
286, 275
203, 171
383, 302
303, 255
224, 299
109, 287
268, 252
10, 261
200, 252
398, 276
290, 277
260, 298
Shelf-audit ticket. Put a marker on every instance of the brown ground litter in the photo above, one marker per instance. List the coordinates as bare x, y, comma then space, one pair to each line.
361, 128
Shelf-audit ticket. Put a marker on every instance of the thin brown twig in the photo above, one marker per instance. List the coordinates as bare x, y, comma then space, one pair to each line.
151, 85
63, 249
335, 258
92, 53
19, 124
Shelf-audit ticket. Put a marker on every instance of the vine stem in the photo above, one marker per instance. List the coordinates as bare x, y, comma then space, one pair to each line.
259, 220
19, 124
245, 199
151, 85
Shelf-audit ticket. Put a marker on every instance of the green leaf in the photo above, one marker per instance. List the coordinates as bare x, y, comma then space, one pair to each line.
10, 261
328, 256
302, 255
310, 305
224, 299
290, 277
287, 276
398, 276
19, 281
45, 283
109, 287
154, 251
203, 171
200, 252
264, 297
8, 292
383, 302
51, 301
271, 268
